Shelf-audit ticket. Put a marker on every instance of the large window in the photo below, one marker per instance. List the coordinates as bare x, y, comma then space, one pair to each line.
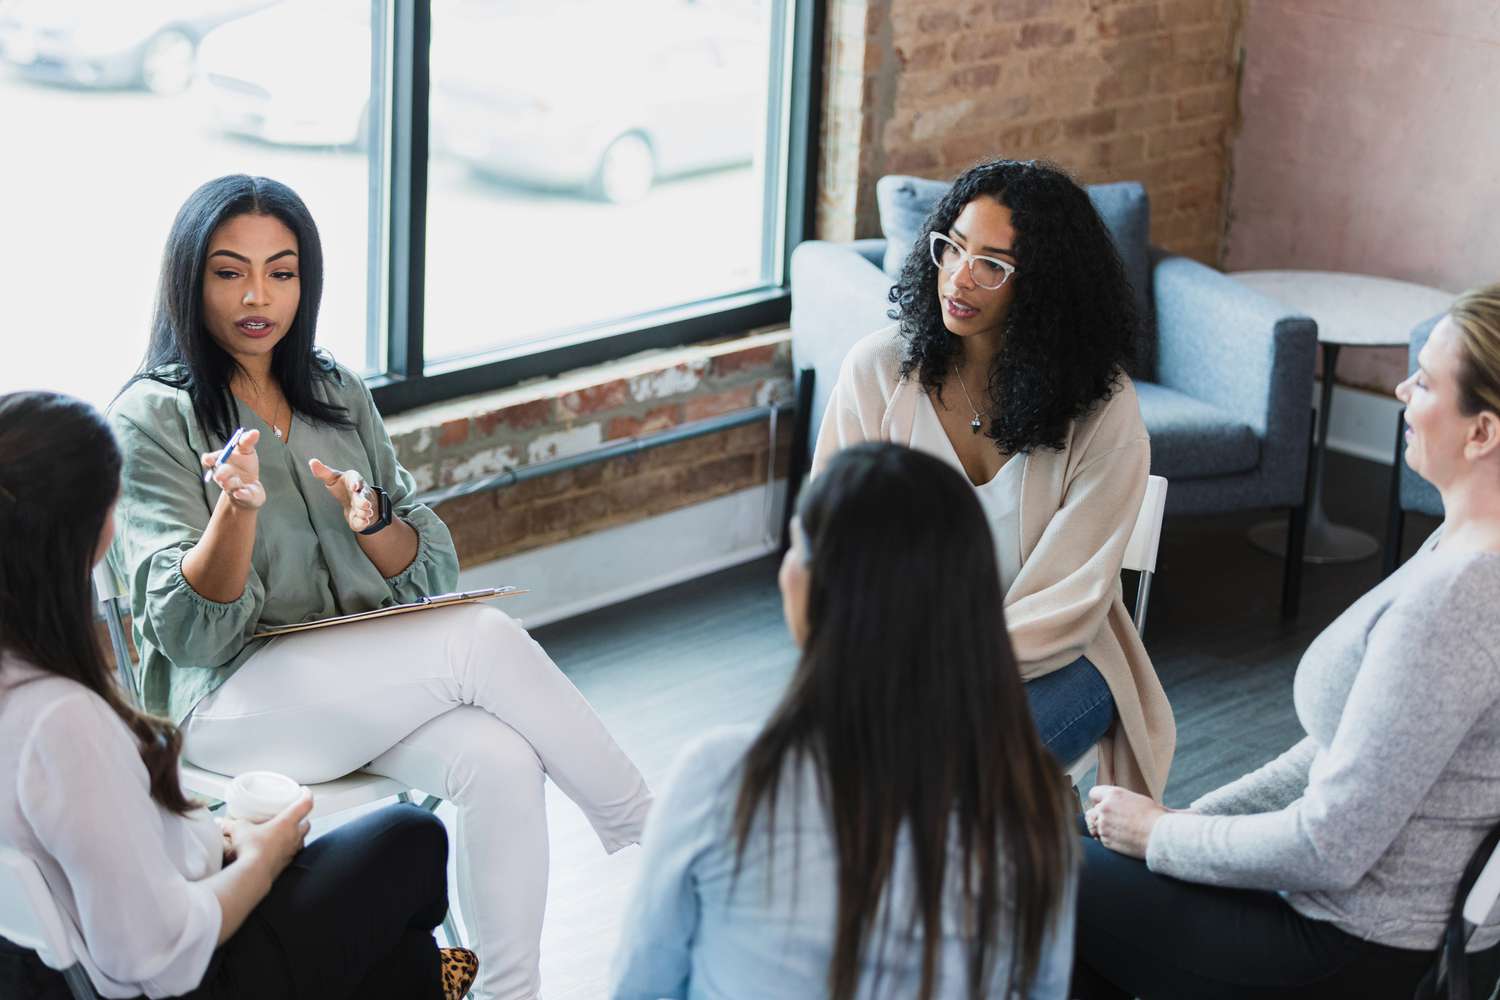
505, 188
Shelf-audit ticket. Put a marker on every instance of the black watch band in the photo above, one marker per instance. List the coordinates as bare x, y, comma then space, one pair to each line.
383, 501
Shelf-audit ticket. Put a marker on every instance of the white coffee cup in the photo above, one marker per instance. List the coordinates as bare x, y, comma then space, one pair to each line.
257, 796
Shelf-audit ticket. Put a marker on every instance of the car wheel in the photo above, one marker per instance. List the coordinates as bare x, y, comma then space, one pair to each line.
626, 170
167, 62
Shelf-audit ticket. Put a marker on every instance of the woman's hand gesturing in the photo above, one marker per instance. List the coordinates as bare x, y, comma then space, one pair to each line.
239, 476
348, 488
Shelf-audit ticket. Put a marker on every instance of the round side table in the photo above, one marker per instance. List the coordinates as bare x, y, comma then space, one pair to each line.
1352, 310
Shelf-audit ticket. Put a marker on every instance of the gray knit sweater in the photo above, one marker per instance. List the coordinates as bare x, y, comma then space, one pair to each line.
1369, 820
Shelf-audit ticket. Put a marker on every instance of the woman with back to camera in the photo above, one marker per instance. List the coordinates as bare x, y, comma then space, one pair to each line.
157, 898
311, 516
1014, 326
895, 829
1331, 871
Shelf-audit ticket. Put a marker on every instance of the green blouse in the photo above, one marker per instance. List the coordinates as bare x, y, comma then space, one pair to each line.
306, 563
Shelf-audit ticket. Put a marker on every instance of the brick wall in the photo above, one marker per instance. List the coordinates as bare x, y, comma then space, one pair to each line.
1110, 90
479, 437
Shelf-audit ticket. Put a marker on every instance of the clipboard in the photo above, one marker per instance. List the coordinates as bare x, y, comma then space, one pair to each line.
424, 604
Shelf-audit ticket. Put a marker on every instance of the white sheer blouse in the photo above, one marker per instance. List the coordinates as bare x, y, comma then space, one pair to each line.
124, 872
1000, 497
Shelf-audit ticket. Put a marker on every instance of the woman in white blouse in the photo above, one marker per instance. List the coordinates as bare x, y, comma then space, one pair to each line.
1015, 324
159, 899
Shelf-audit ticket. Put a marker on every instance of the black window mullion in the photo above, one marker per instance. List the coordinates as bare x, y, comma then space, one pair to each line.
806, 130
411, 35
408, 382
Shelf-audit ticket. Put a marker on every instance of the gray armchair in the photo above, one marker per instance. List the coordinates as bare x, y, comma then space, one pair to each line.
1225, 378
1410, 493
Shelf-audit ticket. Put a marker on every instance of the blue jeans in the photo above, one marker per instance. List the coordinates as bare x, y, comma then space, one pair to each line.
1072, 709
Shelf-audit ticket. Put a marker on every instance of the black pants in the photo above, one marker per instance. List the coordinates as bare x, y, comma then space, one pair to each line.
352, 916
1150, 936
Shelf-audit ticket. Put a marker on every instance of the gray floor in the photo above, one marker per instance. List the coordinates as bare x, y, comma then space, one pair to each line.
664, 668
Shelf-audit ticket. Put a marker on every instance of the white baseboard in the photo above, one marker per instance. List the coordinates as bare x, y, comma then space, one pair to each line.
616, 564
1364, 423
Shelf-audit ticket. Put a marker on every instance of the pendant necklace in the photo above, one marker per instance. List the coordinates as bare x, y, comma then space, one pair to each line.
976, 423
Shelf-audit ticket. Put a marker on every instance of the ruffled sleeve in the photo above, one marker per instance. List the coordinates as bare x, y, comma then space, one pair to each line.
163, 512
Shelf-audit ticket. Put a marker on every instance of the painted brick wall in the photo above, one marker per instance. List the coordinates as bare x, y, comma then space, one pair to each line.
479, 437
1110, 90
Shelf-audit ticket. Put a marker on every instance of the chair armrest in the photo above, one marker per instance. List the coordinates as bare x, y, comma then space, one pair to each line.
838, 296
1228, 345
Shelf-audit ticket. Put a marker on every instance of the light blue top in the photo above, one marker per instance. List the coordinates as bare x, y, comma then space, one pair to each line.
688, 937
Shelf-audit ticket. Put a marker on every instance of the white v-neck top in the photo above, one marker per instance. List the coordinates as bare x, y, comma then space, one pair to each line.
1000, 497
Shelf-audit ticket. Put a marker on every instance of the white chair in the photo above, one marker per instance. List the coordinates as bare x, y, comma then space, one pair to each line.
30, 919
359, 788
1140, 556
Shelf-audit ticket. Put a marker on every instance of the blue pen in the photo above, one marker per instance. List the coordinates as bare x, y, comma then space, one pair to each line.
234, 439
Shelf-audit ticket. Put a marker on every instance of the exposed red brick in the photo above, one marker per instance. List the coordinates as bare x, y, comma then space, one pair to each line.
521, 416
1123, 85
567, 514
605, 396
983, 47
920, 57
1130, 21
975, 77
652, 421
1022, 10
701, 407
738, 361
1147, 114
1095, 123
935, 22
453, 432
1204, 103
1045, 34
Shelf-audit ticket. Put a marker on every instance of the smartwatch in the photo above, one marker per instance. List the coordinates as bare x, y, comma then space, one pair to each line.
383, 505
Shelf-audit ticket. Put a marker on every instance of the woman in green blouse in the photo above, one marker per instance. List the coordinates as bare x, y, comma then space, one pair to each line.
310, 516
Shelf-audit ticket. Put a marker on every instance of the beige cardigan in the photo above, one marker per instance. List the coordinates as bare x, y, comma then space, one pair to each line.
1077, 509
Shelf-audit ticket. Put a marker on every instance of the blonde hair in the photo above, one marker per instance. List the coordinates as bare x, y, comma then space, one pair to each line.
1476, 314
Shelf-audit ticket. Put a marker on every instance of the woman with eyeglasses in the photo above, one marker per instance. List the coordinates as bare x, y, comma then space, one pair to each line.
157, 898
311, 515
1014, 324
895, 829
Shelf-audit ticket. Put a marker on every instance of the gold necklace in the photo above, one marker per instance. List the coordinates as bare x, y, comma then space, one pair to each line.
976, 423
275, 429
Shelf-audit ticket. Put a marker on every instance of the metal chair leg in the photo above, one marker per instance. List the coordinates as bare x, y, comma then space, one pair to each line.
800, 455
1142, 599
1296, 537
78, 983
450, 930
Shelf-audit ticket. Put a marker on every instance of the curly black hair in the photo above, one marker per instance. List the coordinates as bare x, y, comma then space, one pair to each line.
1071, 328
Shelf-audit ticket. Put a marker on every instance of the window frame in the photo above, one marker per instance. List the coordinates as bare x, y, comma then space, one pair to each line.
398, 228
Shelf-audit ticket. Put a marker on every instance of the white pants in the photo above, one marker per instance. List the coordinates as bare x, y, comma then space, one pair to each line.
457, 702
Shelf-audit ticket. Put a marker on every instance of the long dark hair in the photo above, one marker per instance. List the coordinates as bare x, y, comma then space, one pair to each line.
908, 701
181, 353
1071, 328
59, 474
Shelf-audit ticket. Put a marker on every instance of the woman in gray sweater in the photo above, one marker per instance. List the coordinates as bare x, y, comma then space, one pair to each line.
1331, 871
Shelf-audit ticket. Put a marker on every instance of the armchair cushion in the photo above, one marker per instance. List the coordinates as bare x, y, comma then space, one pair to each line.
1192, 440
905, 202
